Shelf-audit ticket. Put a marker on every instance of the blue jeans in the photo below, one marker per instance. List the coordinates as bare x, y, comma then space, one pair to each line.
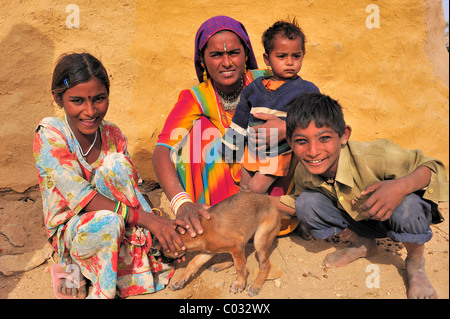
410, 221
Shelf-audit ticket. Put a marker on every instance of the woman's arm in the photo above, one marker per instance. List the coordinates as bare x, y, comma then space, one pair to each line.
168, 179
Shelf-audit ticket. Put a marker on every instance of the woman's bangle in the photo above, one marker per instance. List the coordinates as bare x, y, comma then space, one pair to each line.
178, 200
135, 217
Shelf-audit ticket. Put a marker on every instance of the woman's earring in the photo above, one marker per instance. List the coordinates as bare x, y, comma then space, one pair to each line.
205, 75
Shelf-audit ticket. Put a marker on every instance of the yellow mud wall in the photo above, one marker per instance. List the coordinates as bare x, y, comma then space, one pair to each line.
384, 60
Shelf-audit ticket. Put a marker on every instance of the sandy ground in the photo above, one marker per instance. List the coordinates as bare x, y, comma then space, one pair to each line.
25, 260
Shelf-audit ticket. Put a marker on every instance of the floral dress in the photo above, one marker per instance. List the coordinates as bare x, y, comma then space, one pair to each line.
118, 260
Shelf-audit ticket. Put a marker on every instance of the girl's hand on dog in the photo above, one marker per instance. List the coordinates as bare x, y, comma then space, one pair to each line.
165, 231
190, 214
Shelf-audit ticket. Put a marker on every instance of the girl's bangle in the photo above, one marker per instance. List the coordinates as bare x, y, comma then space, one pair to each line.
116, 210
135, 217
157, 210
124, 212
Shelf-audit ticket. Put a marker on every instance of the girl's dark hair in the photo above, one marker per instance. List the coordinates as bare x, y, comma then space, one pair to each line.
317, 107
286, 29
74, 68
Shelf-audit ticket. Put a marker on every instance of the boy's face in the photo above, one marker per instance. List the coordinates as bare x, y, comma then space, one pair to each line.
318, 148
286, 58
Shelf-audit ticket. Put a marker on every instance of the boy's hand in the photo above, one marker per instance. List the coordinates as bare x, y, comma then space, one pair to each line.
385, 198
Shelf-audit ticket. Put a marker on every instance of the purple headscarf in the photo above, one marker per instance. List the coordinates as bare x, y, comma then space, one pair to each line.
211, 27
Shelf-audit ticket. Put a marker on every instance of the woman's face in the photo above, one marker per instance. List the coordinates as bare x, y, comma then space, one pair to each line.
85, 105
225, 58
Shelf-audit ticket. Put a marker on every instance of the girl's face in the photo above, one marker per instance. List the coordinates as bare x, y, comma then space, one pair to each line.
286, 57
318, 148
85, 105
225, 59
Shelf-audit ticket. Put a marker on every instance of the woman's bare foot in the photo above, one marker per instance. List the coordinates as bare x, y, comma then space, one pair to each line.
419, 286
359, 247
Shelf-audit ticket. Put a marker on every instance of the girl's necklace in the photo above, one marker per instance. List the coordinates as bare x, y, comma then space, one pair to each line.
79, 146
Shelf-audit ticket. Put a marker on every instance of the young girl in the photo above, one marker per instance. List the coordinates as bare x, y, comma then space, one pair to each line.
284, 45
96, 218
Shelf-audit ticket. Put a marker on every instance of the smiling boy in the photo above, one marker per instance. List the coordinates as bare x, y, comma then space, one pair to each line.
362, 191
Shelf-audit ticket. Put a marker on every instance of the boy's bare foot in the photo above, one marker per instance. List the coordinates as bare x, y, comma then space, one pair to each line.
359, 247
419, 287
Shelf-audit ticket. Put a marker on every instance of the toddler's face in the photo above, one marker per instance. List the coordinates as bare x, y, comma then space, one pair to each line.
318, 148
286, 58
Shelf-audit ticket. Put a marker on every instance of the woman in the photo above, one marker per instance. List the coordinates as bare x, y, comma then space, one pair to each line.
96, 218
224, 63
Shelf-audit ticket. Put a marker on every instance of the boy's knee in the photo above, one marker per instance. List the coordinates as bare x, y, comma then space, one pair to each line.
307, 203
412, 216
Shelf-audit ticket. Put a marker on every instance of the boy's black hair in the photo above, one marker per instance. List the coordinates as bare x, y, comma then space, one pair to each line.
317, 107
286, 29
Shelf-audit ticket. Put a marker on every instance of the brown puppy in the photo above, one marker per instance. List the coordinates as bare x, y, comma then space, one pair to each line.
233, 222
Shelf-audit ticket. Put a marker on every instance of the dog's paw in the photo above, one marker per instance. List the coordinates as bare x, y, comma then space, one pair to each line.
237, 287
253, 291
179, 284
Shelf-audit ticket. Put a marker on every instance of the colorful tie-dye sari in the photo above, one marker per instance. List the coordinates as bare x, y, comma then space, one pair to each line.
193, 131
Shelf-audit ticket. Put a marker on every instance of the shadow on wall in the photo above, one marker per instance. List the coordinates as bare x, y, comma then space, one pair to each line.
26, 60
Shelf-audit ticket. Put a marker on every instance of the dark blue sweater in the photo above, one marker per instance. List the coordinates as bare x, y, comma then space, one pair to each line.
255, 98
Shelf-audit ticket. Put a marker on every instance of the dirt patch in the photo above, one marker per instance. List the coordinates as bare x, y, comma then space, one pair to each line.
296, 273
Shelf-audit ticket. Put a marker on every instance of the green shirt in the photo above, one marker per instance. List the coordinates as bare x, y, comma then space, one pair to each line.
364, 163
